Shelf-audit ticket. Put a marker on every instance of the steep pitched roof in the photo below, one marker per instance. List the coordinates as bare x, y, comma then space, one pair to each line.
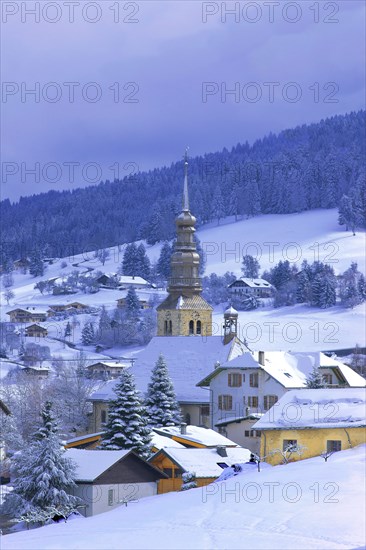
316, 408
189, 359
196, 434
253, 283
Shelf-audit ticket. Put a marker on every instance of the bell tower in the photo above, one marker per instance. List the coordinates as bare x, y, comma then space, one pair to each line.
184, 312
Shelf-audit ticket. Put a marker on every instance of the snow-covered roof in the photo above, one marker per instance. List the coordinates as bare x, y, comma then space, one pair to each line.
238, 419
91, 464
160, 441
28, 309
112, 364
189, 359
125, 279
290, 369
205, 462
316, 408
253, 283
231, 311
195, 434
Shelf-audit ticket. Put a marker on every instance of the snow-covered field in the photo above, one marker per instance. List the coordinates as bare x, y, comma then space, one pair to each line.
305, 505
313, 235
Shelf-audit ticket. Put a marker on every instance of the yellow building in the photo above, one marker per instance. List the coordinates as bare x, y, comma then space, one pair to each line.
312, 422
184, 312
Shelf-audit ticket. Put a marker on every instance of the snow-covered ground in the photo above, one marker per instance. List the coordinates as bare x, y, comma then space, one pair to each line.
309, 504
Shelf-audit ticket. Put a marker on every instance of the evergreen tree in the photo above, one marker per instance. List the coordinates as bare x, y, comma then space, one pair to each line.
87, 334
36, 266
218, 208
43, 475
324, 290
315, 379
163, 266
281, 274
234, 204
132, 304
161, 403
127, 419
68, 330
130, 260
201, 254
104, 327
361, 285
250, 267
142, 263
303, 291
154, 225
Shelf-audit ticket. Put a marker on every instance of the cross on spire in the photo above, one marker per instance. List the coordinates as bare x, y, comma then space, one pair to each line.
185, 188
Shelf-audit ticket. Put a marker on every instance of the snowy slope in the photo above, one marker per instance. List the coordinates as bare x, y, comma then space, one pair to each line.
309, 504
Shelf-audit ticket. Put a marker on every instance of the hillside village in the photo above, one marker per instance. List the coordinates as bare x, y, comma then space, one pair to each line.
149, 397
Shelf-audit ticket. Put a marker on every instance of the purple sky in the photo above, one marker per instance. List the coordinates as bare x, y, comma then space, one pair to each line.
169, 53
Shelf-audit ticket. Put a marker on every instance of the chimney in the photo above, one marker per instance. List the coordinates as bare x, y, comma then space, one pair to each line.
221, 450
183, 428
261, 357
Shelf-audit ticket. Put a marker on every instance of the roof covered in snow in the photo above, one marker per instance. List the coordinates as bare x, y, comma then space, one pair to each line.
290, 369
161, 441
91, 464
252, 283
205, 462
189, 359
195, 434
316, 408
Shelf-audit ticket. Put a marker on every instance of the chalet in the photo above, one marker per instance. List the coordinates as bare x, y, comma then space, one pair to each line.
121, 303
27, 315
77, 305
105, 370
36, 331
313, 422
245, 287
40, 371
113, 280
108, 479
21, 263
253, 383
189, 359
207, 464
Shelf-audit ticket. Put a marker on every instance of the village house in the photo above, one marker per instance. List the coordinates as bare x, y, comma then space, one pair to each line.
312, 422
253, 382
241, 430
114, 280
36, 331
27, 315
108, 479
40, 371
207, 464
245, 287
105, 370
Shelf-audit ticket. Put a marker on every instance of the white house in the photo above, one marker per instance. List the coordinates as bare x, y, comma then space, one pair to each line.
107, 479
245, 286
252, 383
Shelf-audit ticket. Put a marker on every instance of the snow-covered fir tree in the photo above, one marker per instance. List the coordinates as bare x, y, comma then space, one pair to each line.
133, 308
68, 330
36, 266
143, 267
44, 476
129, 262
127, 426
88, 334
324, 290
163, 265
218, 207
161, 402
315, 379
250, 266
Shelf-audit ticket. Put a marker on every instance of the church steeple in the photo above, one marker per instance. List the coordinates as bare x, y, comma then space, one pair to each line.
185, 312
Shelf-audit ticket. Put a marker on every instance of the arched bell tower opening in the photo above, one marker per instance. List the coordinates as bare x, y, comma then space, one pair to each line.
230, 324
185, 304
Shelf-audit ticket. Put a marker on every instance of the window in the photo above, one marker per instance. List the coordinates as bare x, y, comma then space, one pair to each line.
247, 433
327, 379
258, 433
234, 380
103, 416
199, 327
269, 401
253, 380
110, 497
205, 410
289, 443
253, 401
191, 327
333, 446
225, 402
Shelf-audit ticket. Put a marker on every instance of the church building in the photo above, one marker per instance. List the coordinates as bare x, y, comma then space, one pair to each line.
184, 312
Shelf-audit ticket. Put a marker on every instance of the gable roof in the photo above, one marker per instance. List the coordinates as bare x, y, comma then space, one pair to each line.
316, 408
204, 462
90, 464
290, 369
196, 435
189, 359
